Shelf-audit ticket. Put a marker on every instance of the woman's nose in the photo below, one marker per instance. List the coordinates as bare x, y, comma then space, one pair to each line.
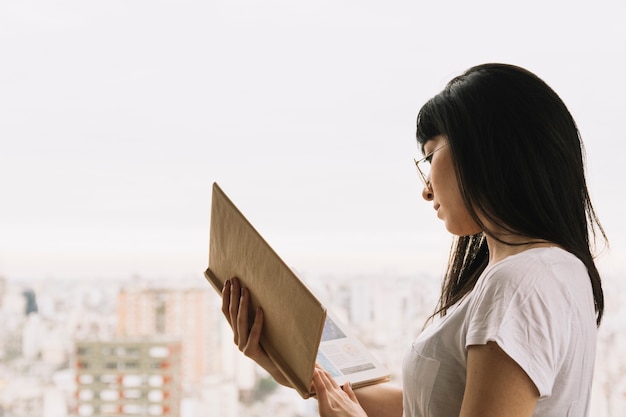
427, 194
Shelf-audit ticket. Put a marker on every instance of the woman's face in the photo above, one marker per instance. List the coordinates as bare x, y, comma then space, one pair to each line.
444, 190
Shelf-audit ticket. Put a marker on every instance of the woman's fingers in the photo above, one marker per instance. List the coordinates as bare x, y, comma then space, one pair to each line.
226, 301
233, 311
330, 383
334, 401
253, 345
236, 308
329, 380
319, 385
242, 319
323, 382
347, 388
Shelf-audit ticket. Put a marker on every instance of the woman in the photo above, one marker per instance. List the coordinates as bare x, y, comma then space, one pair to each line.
514, 333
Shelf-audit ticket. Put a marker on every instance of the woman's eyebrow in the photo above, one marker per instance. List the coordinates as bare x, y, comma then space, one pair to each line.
424, 144
424, 152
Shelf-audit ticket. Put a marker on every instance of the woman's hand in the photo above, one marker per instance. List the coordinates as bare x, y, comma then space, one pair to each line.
333, 400
236, 308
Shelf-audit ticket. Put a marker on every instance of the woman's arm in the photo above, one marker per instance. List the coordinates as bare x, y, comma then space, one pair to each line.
380, 400
496, 385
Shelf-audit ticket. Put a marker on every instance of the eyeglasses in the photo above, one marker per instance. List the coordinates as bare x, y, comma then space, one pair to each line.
423, 167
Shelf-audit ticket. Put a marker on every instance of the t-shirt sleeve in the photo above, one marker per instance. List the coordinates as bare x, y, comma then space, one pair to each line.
525, 312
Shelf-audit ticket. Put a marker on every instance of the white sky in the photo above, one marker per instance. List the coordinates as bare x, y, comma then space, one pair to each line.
116, 117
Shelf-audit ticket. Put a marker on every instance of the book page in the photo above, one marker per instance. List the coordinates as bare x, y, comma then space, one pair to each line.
346, 358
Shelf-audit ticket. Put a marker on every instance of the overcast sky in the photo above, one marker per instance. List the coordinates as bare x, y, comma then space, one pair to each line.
117, 116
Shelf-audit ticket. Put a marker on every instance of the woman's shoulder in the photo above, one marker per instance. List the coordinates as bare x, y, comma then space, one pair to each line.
538, 270
545, 284
537, 260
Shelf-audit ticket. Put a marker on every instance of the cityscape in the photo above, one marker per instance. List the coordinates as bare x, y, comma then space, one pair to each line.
117, 116
141, 347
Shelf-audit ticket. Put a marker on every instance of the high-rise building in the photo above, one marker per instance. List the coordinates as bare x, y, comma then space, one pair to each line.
127, 377
184, 313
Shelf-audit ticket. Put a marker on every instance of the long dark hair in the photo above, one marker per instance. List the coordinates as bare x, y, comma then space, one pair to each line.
519, 161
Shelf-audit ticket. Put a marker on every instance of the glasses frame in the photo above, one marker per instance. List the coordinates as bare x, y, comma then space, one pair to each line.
427, 158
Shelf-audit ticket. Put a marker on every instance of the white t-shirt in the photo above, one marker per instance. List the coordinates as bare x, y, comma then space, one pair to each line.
538, 307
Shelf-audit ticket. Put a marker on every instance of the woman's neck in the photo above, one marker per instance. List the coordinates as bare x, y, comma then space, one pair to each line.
498, 249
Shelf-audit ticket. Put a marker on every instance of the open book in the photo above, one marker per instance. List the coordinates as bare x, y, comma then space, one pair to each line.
297, 332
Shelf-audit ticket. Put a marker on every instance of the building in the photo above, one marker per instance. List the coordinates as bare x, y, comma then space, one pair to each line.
183, 313
128, 377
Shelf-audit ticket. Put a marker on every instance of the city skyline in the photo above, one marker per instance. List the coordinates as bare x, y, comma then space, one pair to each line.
43, 351
117, 117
